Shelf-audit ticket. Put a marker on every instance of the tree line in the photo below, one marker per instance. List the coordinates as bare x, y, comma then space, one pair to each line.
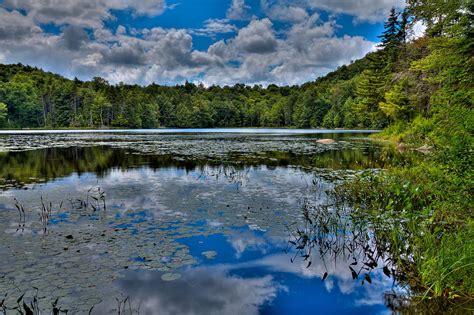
30, 97
372, 92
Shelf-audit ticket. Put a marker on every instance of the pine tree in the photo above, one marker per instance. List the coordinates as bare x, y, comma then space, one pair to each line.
369, 92
391, 39
390, 35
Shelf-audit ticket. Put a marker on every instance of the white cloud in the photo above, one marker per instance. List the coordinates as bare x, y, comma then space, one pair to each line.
238, 10
218, 292
121, 30
258, 37
90, 14
14, 25
284, 12
362, 10
307, 50
256, 54
215, 26
418, 30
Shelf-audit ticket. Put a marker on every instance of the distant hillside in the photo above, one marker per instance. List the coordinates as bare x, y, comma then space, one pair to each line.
35, 98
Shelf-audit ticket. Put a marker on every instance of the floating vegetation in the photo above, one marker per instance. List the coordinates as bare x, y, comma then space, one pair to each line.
20, 305
90, 238
209, 254
36, 159
171, 276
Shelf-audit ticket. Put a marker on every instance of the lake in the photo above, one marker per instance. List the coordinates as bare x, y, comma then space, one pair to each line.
226, 221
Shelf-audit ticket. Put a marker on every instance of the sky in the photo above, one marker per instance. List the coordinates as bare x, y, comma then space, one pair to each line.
214, 42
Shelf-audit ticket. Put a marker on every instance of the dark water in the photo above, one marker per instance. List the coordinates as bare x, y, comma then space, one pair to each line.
194, 223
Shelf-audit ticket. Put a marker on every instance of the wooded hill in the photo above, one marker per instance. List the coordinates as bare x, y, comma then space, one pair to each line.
398, 83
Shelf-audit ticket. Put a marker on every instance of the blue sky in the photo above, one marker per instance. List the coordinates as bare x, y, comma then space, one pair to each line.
220, 42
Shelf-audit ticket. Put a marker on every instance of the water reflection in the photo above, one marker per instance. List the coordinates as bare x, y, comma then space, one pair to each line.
181, 227
199, 291
331, 233
38, 166
250, 284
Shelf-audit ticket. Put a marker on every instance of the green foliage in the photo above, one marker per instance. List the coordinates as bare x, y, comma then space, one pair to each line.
389, 36
58, 102
397, 104
430, 102
3, 114
23, 101
369, 94
98, 107
442, 16
431, 223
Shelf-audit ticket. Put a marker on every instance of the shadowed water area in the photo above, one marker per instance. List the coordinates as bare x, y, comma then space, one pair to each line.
190, 223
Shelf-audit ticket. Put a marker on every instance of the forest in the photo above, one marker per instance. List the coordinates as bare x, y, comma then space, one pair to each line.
402, 81
369, 93
32, 98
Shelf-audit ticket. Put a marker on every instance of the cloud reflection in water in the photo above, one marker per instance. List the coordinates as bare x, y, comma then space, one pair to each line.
255, 283
201, 290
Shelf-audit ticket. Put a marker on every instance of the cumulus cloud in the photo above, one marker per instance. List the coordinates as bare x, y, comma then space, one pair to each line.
284, 12
258, 37
120, 30
238, 10
362, 10
14, 25
306, 50
213, 27
74, 37
257, 53
218, 292
89, 14
125, 55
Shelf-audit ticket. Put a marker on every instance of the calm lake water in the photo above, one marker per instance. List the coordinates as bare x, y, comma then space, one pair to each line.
187, 222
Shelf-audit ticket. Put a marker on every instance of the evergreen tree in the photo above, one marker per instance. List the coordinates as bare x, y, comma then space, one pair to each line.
390, 35
390, 39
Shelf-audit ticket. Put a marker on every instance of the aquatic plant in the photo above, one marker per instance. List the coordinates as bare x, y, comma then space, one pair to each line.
32, 308
330, 233
45, 214
21, 214
23, 307
425, 215
95, 201
98, 197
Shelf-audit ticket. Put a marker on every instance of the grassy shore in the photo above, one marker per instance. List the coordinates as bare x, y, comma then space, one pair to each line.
429, 203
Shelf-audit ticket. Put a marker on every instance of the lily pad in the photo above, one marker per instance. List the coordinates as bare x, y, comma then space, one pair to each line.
210, 254
171, 276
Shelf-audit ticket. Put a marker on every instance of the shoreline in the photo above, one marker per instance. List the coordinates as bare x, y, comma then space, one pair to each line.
243, 130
